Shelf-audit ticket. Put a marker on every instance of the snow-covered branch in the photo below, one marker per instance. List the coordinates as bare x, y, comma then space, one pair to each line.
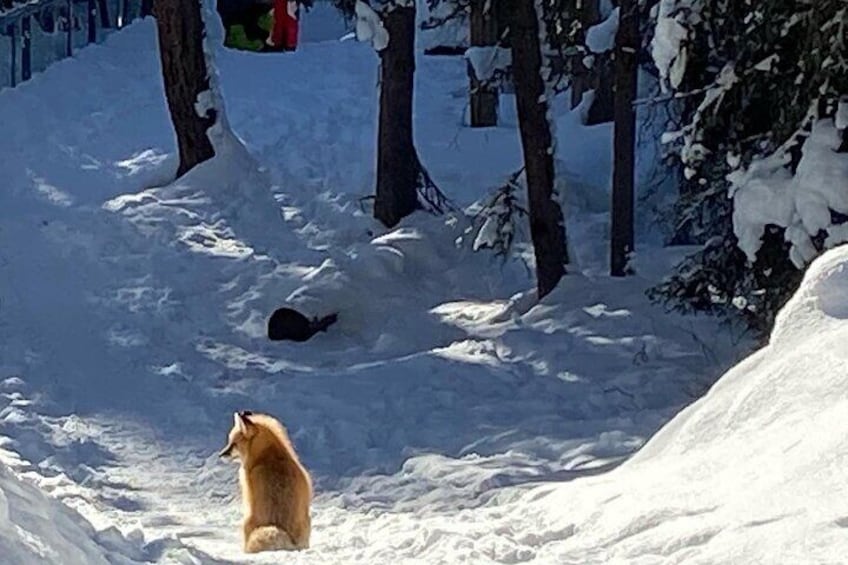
369, 27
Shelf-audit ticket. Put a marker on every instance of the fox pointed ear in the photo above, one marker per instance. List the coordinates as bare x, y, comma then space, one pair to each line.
239, 423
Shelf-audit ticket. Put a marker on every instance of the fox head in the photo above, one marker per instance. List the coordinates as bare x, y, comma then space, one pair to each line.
240, 435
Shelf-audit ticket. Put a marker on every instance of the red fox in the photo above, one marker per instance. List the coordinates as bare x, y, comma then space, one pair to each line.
276, 489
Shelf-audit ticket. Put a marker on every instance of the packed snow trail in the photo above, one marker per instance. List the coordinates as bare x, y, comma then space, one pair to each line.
133, 317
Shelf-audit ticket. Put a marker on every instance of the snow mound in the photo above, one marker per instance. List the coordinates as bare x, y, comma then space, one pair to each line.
37, 529
754, 472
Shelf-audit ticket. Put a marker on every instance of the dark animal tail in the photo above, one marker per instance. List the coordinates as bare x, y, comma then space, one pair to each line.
321, 324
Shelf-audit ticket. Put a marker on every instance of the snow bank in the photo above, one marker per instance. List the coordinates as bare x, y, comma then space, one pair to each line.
36, 529
754, 472
767, 193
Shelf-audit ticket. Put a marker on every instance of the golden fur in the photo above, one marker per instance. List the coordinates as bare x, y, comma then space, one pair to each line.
276, 489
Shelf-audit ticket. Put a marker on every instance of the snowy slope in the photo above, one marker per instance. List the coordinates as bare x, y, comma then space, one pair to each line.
38, 529
133, 313
755, 472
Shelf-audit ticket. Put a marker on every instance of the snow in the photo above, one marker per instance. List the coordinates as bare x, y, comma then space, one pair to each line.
369, 27
323, 22
767, 193
841, 118
750, 473
600, 38
37, 529
767, 64
204, 104
453, 33
449, 416
220, 135
668, 48
486, 61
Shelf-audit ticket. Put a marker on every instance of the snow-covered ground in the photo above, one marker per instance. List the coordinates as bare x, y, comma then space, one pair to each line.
446, 417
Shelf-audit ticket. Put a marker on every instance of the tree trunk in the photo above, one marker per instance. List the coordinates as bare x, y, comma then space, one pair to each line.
602, 110
585, 79
599, 77
547, 227
484, 33
397, 161
103, 12
180, 27
624, 145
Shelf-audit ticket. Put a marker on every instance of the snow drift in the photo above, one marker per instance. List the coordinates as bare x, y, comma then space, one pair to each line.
754, 472
38, 529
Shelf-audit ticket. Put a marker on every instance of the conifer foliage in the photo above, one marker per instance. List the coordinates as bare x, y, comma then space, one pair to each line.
759, 84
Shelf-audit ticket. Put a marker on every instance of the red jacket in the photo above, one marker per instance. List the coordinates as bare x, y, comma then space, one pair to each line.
284, 31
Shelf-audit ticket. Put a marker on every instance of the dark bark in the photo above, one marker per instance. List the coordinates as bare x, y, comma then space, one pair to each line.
547, 227
603, 106
397, 162
584, 78
180, 27
92, 21
624, 144
484, 33
598, 78
103, 12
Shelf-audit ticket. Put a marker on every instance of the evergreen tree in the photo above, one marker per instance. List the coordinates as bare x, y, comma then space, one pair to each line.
760, 81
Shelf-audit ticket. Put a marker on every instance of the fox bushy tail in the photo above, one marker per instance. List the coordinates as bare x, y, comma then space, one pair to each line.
269, 538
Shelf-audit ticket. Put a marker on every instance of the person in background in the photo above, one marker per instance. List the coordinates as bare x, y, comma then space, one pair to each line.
283, 36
